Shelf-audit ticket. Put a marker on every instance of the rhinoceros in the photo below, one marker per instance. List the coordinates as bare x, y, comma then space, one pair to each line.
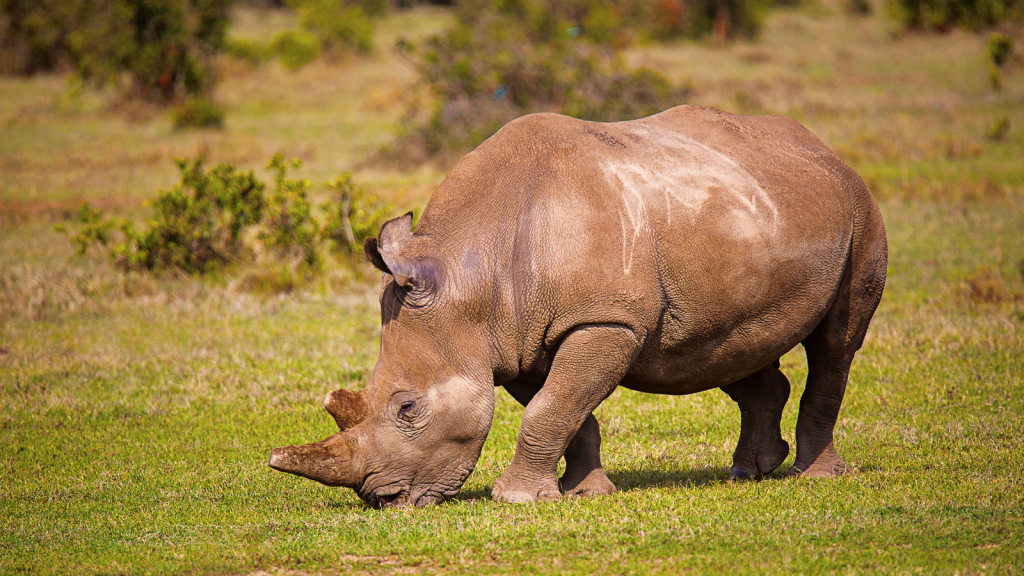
563, 258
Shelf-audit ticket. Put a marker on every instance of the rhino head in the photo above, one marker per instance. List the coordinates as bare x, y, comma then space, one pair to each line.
414, 433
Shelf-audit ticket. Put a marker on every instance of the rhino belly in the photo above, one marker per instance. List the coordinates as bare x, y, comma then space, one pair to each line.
731, 311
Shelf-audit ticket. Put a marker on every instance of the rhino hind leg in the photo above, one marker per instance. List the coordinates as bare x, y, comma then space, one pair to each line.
584, 476
816, 455
834, 342
589, 364
761, 398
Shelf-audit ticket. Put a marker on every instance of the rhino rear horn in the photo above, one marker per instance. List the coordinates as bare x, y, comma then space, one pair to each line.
386, 252
348, 408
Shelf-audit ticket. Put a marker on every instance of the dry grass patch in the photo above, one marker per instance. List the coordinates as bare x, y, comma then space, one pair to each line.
986, 286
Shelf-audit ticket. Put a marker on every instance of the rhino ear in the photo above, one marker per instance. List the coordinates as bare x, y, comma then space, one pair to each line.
386, 252
373, 255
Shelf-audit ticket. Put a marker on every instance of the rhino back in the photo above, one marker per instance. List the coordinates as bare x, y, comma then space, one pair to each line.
720, 240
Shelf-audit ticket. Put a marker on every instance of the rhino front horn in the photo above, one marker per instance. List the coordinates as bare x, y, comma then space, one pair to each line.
329, 462
348, 408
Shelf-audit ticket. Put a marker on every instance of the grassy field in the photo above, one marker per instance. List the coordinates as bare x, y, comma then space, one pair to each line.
137, 411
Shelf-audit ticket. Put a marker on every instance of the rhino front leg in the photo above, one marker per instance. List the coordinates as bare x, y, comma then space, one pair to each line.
761, 398
584, 476
589, 364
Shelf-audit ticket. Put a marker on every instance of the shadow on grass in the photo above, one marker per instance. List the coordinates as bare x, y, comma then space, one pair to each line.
688, 478
639, 479
477, 494
626, 480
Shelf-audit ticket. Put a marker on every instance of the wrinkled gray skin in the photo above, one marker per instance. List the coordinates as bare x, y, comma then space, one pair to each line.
560, 259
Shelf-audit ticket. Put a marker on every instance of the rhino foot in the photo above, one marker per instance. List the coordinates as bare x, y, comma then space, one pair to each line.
759, 461
827, 464
596, 483
520, 492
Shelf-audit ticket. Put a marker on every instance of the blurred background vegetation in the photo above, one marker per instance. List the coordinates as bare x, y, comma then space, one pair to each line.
103, 94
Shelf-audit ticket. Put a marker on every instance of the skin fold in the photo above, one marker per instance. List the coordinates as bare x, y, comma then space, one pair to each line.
562, 258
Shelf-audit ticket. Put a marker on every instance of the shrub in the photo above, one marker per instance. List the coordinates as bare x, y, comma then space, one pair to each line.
341, 26
1000, 47
223, 216
332, 27
164, 46
354, 217
197, 113
295, 48
245, 50
34, 35
943, 15
614, 23
461, 124
197, 225
623, 95
504, 61
725, 18
290, 229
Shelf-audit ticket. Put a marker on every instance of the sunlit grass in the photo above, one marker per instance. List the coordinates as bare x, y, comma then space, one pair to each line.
135, 437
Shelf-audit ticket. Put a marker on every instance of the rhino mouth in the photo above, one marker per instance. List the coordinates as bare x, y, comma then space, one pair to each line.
402, 497
381, 495
389, 498
379, 492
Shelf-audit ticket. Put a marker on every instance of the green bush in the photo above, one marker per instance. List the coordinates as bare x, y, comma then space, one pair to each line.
616, 23
1000, 47
34, 35
295, 48
943, 15
497, 56
245, 50
623, 95
196, 226
340, 26
724, 18
164, 46
290, 230
332, 27
354, 216
998, 129
501, 62
224, 216
197, 113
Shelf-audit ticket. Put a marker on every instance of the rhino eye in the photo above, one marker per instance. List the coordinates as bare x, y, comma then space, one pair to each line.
406, 410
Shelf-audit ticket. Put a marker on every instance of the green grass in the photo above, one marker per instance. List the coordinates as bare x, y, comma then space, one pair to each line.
135, 438
137, 411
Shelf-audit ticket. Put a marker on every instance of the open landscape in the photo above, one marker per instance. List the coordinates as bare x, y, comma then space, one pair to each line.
138, 409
